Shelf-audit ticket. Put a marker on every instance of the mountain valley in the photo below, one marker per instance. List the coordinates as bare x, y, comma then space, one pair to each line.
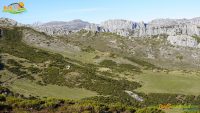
77, 66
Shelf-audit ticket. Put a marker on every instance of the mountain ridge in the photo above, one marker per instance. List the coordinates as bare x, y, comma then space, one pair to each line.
122, 27
129, 28
174, 29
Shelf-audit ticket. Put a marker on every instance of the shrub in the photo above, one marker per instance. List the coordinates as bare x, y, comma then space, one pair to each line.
5, 108
145, 64
108, 63
179, 57
14, 63
52, 76
17, 71
88, 49
2, 98
128, 67
34, 70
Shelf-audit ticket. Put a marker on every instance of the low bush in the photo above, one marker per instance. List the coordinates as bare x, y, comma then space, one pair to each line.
108, 63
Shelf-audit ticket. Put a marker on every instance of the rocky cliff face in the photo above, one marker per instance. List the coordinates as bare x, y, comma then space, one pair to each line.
170, 27
179, 31
156, 27
124, 27
173, 27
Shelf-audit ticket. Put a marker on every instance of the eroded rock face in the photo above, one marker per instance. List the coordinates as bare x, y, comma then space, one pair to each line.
118, 25
173, 27
170, 27
94, 28
196, 21
156, 27
183, 40
126, 28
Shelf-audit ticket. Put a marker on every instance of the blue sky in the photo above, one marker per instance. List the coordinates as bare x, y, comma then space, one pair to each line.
97, 11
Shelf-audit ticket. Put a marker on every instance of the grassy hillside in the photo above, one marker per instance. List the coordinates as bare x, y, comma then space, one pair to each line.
49, 68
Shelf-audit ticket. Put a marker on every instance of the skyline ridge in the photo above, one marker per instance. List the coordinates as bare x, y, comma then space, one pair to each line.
197, 17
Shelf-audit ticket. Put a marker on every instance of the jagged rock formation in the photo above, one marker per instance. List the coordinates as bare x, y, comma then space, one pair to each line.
127, 28
123, 27
59, 28
170, 27
94, 28
156, 27
196, 21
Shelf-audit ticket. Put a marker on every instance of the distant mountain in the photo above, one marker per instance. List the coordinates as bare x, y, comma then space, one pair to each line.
172, 27
60, 27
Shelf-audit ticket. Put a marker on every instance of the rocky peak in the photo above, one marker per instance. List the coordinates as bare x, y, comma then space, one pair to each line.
113, 25
163, 23
53, 23
61, 28
78, 21
195, 21
6, 22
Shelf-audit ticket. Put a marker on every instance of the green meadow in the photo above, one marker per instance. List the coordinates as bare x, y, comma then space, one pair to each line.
174, 82
27, 88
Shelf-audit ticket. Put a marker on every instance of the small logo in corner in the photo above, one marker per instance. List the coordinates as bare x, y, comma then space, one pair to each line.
15, 8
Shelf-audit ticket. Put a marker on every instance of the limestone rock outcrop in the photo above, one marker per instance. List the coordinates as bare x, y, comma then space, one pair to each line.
183, 40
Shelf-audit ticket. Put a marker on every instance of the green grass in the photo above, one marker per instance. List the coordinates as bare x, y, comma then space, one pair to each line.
173, 111
108, 63
143, 63
5, 75
173, 83
27, 88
